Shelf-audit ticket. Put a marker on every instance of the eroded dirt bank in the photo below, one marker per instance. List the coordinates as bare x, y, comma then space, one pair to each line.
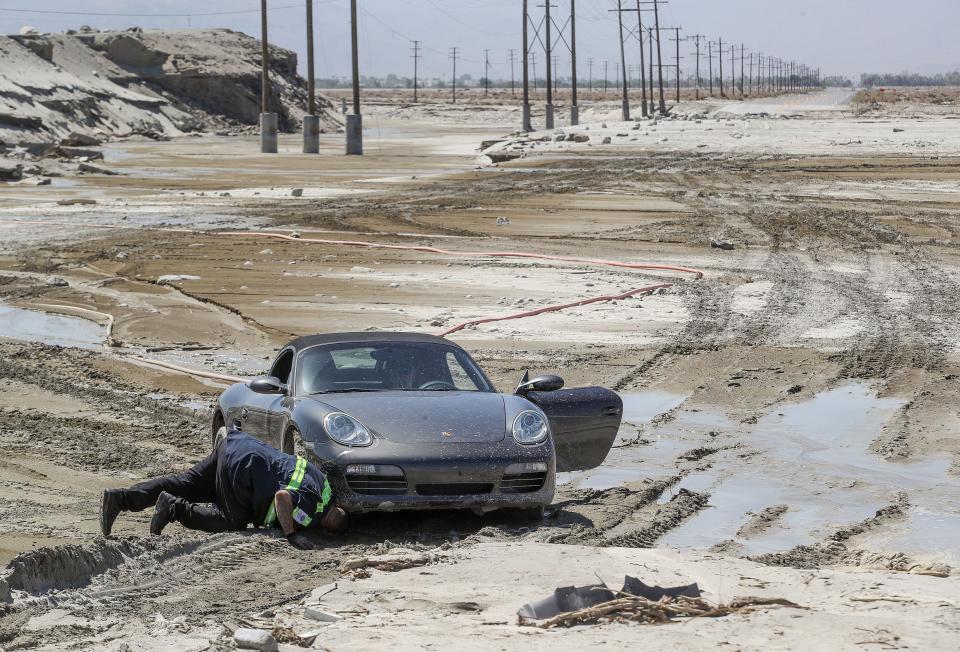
791, 410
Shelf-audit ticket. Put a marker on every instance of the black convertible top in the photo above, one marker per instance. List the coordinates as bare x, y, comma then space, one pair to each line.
340, 338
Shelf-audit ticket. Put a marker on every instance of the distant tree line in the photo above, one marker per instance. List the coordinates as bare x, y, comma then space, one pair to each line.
870, 80
837, 82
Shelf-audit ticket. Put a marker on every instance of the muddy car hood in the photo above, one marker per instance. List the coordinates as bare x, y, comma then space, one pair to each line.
426, 417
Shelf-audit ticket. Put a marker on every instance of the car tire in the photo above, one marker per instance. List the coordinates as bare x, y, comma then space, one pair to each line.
293, 443
219, 436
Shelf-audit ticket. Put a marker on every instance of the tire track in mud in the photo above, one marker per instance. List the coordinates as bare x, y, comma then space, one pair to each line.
786, 300
684, 504
708, 303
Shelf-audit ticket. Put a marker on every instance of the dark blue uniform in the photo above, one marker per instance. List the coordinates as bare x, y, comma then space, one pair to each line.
234, 486
250, 472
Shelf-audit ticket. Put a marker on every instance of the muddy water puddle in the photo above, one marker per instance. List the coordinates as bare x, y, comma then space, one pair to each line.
818, 464
57, 330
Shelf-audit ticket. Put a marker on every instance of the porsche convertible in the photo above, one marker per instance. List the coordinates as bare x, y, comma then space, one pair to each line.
410, 421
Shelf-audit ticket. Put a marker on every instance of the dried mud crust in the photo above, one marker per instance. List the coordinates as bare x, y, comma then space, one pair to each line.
143, 435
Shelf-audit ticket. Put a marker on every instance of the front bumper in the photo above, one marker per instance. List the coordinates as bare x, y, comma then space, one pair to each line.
442, 476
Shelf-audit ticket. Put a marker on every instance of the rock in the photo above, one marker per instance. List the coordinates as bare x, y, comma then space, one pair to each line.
357, 269
501, 221
502, 157
294, 234
27, 30
79, 201
96, 169
57, 282
607, 140
314, 613
173, 278
394, 285
580, 138
898, 130
77, 152
296, 192
255, 639
603, 126
36, 181
266, 252
27, 122
726, 245
10, 171
76, 139
487, 144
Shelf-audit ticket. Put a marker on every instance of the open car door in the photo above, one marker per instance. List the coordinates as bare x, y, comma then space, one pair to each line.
584, 423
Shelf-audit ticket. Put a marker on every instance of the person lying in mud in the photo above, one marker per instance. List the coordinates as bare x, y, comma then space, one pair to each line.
242, 481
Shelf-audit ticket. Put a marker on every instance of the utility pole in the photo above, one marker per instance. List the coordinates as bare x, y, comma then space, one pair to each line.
606, 75
268, 120
454, 52
733, 70
590, 65
720, 50
549, 47
650, 65
533, 62
656, 21
416, 60
696, 38
526, 73
742, 59
677, 39
311, 122
751, 72
486, 73
574, 108
643, 65
513, 85
710, 50
354, 128
556, 76
625, 102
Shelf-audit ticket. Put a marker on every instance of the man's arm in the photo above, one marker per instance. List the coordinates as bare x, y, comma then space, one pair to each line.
284, 506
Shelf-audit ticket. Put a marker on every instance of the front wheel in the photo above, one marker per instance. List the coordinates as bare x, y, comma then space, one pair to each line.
220, 436
293, 443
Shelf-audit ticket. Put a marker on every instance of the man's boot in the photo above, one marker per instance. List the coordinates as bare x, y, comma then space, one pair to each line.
165, 512
111, 504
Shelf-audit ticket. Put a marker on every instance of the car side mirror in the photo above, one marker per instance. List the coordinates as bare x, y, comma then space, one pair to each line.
544, 383
267, 385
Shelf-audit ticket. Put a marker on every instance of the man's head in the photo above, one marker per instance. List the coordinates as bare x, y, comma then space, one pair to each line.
335, 520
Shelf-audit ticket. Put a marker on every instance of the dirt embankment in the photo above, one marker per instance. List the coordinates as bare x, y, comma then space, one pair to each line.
157, 83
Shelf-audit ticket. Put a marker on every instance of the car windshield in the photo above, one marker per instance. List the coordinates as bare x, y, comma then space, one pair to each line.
387, 366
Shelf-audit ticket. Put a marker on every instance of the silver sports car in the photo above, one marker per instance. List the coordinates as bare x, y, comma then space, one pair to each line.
410, 421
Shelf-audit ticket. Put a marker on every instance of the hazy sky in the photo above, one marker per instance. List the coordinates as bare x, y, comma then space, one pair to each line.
840, 36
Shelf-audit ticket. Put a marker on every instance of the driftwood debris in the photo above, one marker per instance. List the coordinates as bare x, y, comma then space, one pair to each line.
630, 608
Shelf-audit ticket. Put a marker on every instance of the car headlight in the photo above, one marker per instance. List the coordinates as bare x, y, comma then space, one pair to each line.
529, 427
344, 429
